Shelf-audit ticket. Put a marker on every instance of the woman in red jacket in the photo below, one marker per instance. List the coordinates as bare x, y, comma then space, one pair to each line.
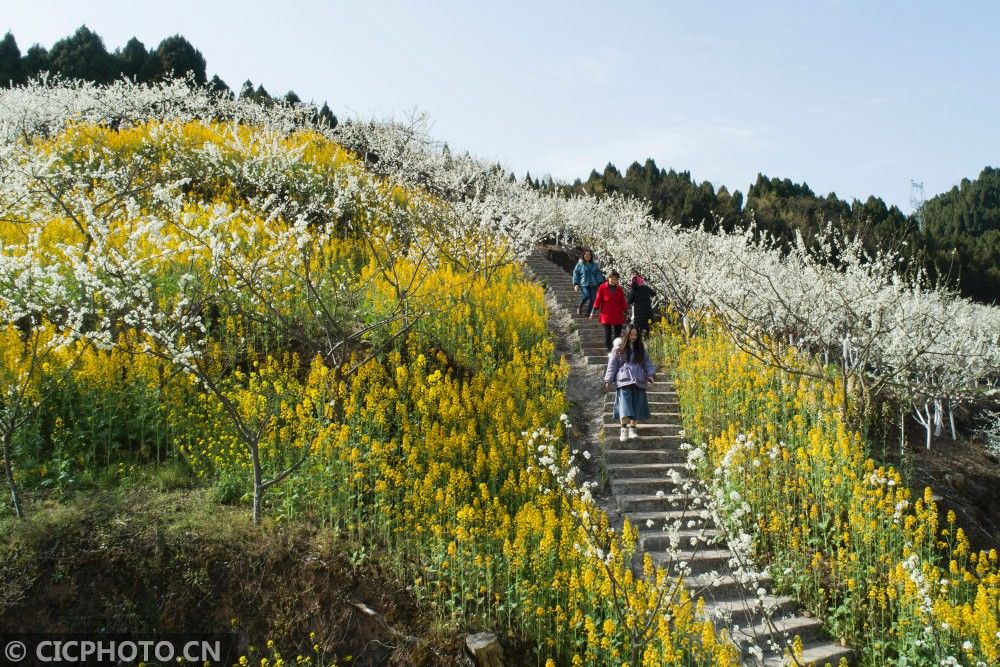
610, 300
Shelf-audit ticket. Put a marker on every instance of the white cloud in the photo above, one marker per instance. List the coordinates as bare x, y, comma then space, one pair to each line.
577, 71
683, 145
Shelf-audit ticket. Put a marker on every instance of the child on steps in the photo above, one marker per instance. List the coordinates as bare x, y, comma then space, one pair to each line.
630, 371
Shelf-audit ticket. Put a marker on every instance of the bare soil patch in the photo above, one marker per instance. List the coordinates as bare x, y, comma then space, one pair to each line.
151, 562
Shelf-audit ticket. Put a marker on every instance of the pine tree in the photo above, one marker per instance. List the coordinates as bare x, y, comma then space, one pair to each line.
219, 86
132, 61
82, 56
326, 116
10, 61
35, 61
178, 57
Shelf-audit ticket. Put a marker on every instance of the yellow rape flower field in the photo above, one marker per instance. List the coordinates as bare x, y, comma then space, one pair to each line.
846, 536
256, 307
383, 389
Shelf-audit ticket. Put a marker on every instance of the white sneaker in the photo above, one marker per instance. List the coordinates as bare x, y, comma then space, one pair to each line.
624, 434
632, 434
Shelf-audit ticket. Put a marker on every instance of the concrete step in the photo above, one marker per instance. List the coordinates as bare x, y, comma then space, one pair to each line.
655, 417
656, 520
643, 485
641, 456
655, 405
666, 442
646, 428
750, 611
659, 540
655, 470
723, 586
781, 629
648, 502
818, 652
700, 561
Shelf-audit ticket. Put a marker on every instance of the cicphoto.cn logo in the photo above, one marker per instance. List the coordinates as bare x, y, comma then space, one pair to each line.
37, 649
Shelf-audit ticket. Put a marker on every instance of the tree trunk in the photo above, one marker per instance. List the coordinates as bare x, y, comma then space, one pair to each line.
485, 649
8, 469
925, 419
902, 432
258, 484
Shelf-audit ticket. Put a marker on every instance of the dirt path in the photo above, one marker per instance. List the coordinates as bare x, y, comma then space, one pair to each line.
585, 394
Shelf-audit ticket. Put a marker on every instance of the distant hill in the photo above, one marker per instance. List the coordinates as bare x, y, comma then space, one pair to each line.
955, 236
962, 234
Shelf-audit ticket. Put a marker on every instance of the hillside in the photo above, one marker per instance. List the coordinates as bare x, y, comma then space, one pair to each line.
952, 236
330, 329
197, 281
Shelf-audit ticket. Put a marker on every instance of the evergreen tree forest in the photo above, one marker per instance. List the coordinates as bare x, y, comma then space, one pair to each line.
83, 55
955, 236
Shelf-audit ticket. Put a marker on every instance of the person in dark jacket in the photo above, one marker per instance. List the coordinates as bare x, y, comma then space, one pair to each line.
641, 299
587, 276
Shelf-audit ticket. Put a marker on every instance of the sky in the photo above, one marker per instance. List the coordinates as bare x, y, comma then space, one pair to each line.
854, 97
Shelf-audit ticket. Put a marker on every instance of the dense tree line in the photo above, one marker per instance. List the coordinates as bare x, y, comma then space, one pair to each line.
672, 195
955, 235
961, 231
84, 56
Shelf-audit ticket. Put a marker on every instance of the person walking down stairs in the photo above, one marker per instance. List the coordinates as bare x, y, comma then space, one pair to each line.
630, 371
611, 303
640, 297
649, 479
587, 275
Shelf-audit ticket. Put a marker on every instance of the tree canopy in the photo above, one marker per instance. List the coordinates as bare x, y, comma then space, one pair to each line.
954, 236
962, 232
84, 56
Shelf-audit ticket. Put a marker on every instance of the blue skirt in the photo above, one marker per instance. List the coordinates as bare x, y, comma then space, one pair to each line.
630, 401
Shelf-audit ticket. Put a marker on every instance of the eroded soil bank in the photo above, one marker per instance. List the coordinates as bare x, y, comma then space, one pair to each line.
151, 562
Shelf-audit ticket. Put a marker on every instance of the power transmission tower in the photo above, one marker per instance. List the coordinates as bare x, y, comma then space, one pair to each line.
917, 202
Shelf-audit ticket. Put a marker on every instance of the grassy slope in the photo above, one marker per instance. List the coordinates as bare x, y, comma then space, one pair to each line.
144, 560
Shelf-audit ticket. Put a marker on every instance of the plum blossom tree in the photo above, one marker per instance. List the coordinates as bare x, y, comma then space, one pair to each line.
883, 332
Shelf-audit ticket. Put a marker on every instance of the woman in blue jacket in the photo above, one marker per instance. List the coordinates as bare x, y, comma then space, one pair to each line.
630, 371
587, 276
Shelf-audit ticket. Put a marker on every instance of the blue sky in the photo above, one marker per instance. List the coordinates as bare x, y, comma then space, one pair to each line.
854, 97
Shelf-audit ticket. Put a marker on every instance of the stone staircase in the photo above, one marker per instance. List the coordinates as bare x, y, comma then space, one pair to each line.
650, 484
